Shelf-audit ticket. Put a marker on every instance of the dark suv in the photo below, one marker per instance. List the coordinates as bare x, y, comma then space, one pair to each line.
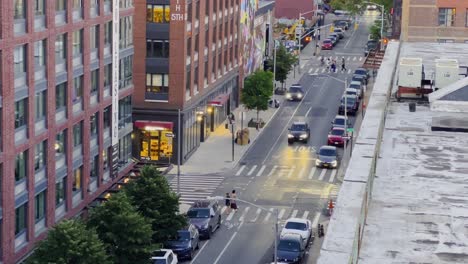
205, 215
186, 243
291, 249
299, 131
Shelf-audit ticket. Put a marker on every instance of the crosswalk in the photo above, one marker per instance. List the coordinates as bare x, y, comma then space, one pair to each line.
350, 60
338, 58
288, 172
196, 187
251, 214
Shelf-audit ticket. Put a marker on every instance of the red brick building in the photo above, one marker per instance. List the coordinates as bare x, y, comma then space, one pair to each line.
291, 9
188, 59
66, 85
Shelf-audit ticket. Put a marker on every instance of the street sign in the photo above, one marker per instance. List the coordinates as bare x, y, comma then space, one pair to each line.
350, 129
169, 135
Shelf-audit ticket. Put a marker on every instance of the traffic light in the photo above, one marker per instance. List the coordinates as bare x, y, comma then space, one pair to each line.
385, 41
307, 39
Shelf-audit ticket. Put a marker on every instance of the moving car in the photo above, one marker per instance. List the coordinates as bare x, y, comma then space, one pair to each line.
353, 91
186, 243
205, 215
337, 137
303, 227
363, 72
290, 249
295, 93
371, 7
164, 256
327, 157
339, 31
327, 44
351, 103
299, 131
370, 46
341, 121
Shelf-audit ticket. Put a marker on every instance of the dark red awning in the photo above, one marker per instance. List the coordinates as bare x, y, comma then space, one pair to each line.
219, 100
154, 125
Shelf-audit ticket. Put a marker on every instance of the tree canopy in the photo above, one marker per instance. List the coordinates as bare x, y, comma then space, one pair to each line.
258, 88
153, 198
284, 63
126, 233
70, 242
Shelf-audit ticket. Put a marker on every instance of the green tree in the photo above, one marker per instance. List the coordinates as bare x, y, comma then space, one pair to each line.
126, 233
284, 64
70, 242
375, 30
153, 198
258, 88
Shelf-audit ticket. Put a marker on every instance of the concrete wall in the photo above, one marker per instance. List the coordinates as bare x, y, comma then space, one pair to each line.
344, 233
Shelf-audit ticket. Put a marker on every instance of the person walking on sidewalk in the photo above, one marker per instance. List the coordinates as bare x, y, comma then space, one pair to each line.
228, 203
233, 200
343, 66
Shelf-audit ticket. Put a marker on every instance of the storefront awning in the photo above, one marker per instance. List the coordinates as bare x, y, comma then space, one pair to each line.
219, 100
153, 125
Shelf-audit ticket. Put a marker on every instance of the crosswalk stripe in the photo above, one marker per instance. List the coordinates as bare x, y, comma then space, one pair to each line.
268, 215
312, 172
301, 173
305, 215
240, 170
272, 170
323, 70
322, 174
354, 58
257, 214
349, 71
244, 213
252, 170
291, 171
294, 213
316, 70
229, 217
349, 58
336, 58
310, 70
281, 213
200, 180
259, 173
332, 177
223, 209
360, 58
316, 219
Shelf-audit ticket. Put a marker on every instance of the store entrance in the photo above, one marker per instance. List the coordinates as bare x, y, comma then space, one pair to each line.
155, 145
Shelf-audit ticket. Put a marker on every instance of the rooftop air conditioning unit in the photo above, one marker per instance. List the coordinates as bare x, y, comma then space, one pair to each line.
410, 73
446, 72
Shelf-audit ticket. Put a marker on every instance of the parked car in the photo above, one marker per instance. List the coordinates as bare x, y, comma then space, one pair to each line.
327, 44
290, 249
327, 157
342, 24
295, 93
357, 85
300, 226
299, 131
336, 36
186, 243
362, 71
359, 78
333, 39
339, 31
337, 137
341, 121
370, 46
353, 91
351, 103
205, 215
164, 256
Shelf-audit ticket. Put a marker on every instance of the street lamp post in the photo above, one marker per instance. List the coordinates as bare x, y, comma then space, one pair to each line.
263, 209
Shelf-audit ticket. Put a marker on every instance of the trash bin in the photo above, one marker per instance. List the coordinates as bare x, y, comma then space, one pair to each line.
412, 107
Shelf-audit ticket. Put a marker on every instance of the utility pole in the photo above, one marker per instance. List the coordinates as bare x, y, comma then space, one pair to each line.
178, 151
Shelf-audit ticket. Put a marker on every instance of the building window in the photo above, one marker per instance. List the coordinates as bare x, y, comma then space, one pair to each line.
157, 86
106, 117
77, 89
466, 17
39, 7
125, 3
60, 5
40, 156
157, 48
60, 191
20, 9
126, 32
94, 37
125, 111
108, 33
94, 81
125, 149
21, 166
158, 13
21, 113
94, 7
60, 144
77, 135
189, 12
77, 5
39, 53
40, 206
107, 75
61, 48
77, 179
93, 121
77, 43
20, 61
447, 17
41, 106
61, 96
94, 168
21, 219
126, 72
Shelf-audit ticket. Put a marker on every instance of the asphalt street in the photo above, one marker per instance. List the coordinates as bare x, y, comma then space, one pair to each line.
281, 177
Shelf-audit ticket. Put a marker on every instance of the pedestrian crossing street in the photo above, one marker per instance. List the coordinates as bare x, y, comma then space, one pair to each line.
348, 61
250, 214
289, 172
347, 58
196, 187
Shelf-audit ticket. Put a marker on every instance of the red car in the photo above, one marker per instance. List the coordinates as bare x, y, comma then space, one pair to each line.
327, 44
337, 136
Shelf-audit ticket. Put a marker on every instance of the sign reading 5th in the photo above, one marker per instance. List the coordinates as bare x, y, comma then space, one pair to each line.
176, 15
